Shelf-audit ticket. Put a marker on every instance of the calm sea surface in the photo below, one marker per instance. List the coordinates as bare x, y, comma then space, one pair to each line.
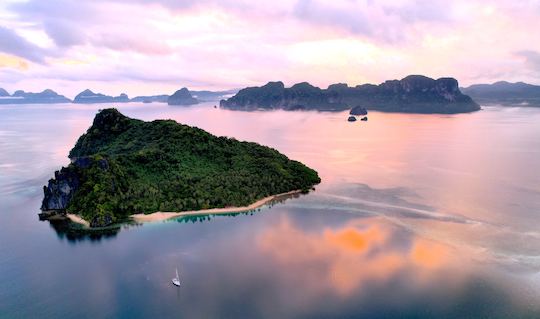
417, 216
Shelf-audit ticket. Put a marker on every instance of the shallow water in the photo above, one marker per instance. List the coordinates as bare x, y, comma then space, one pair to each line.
417, 216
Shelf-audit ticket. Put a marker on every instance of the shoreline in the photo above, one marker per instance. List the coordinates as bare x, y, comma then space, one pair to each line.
162, 216
78, 220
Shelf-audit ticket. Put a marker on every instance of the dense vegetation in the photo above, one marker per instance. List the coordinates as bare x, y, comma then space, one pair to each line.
274, 95
505, 93
412, 94
128, 166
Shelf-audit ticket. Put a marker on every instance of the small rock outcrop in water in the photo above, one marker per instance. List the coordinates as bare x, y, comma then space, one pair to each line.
122, 166
182, 97
351, 118
413, 94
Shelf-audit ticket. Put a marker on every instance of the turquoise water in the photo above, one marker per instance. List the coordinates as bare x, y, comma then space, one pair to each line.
418, 216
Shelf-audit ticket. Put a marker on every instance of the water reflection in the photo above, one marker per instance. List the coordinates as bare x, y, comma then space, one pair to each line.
348, 257
207, 218
377, 270
204, 218
72, 233
418, 216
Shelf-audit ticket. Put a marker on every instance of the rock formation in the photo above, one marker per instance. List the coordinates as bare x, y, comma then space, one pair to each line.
21, 97
413, 94
89, 97
182, 97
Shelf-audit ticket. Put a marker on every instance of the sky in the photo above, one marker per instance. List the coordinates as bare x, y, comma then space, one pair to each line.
158, 46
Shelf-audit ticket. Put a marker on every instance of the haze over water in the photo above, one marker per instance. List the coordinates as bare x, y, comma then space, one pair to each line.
424, 216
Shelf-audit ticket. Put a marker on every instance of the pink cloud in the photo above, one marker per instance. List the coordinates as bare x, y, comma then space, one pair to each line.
238, 43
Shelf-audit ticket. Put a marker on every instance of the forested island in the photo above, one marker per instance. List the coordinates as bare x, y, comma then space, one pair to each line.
412, 94
123, 166
182, 97
89, 97
506, 93
21, 97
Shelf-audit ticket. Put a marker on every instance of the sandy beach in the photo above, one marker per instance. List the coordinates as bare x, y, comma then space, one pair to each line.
160, 216
76, 219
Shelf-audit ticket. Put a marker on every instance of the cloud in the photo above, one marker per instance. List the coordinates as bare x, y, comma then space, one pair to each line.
70, 23
63, 33
235, 43
532, 60
10, 61
382, 21
350, 258
316, 12
14, 44
421, 10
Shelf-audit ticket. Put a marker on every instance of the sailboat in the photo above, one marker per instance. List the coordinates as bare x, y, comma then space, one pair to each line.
176, 280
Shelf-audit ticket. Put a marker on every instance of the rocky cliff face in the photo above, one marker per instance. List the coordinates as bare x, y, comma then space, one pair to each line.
413, 94
60, 190
182, 97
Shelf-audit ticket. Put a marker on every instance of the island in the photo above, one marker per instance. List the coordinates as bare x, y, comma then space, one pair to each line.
123, 166
412, 94
151, 98
47, 96
505, 93
206, 96
274, 95
182, 97
89, 97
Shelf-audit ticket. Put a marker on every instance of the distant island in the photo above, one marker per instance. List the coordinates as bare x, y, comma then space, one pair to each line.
505, 93
205, 95
200, 96
182, 97
123, 166
21, 97
89, 97
274, 95
151, 98
412, 94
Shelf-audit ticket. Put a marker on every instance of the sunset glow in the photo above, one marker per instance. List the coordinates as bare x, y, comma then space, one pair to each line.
157, 46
